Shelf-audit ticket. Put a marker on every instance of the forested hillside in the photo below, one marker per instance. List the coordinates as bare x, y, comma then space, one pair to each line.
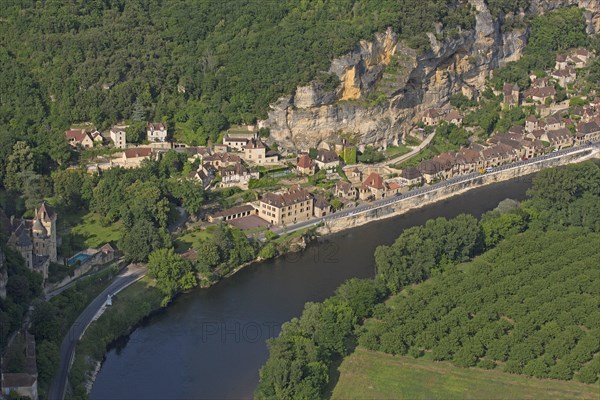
199, 65
528, 305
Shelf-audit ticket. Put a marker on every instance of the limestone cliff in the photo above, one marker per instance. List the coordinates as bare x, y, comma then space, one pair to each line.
384, 84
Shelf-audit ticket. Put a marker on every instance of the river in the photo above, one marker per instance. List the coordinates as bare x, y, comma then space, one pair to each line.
210, 343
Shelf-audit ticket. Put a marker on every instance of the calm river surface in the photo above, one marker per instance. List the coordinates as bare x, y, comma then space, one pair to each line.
210, 343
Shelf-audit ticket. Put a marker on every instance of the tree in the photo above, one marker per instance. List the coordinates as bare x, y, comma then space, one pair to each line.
370, 156
190, 193
140, 240
208, 252
136, 132
69, 184
47, 359
35, 188
172, 273
18, 162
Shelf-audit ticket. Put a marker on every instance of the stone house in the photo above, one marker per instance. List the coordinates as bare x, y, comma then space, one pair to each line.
559, 138
511, 94
372, 187
587, 132
285, 208
431, 117
411, 176
132, 158
304, 165
79, 138
564, 76
345, 190
118, 136
561, 61
321, 206
218, 160
327, 159
532, 123
236, 175
205, 174
23, 384
454, 117
255, 152
540, 94
238, 140
430, 170
552, 123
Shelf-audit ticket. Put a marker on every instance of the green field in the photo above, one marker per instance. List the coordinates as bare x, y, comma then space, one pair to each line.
89, 232
373, 375
192, 239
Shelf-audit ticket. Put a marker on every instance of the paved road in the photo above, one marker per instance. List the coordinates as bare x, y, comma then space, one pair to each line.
408, 155
67, 348
416, 192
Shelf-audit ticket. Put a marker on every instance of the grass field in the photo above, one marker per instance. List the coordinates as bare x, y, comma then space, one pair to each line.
90, 232
373, 375
192, 239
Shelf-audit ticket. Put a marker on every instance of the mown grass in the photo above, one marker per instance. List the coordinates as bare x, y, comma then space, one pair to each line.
373, 375
91, 233
192, 239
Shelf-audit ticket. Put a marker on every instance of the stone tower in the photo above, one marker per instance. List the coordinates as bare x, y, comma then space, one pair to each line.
44, 232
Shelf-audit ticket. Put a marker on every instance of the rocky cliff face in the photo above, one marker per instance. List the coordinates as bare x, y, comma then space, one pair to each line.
385, 85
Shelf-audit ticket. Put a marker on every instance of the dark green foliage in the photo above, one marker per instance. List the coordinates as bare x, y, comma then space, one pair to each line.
302, 354
485, 117
527, 292
173, 274
455, 136
556, 31
498, 7
370, 156
461, 101
421, 250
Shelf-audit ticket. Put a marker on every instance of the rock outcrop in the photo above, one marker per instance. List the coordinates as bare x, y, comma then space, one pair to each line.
384, 85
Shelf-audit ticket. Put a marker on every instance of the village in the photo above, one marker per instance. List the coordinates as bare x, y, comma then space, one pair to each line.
294, 187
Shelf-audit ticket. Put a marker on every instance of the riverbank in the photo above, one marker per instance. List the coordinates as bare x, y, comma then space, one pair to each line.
327, 255
133, 306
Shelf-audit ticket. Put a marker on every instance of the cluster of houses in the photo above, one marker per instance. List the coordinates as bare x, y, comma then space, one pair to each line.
542, 89
327, 160
520, 143
234, 162
434, 116
85, 138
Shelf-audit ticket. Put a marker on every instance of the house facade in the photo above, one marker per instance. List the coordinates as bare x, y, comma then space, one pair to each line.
118, 136
79, 138
36, 240
156, 132
285, 208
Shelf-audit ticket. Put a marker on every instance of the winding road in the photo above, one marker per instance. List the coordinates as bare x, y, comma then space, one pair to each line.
408, 155
67, 348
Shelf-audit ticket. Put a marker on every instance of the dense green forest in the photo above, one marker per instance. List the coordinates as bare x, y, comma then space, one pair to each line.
198, 65
528, 304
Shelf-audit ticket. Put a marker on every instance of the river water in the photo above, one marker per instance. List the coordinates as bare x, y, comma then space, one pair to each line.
210, 343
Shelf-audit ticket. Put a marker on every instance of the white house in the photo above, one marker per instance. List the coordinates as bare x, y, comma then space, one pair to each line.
156, 132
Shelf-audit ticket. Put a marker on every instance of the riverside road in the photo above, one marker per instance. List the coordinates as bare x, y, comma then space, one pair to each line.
432, 188
67, 347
